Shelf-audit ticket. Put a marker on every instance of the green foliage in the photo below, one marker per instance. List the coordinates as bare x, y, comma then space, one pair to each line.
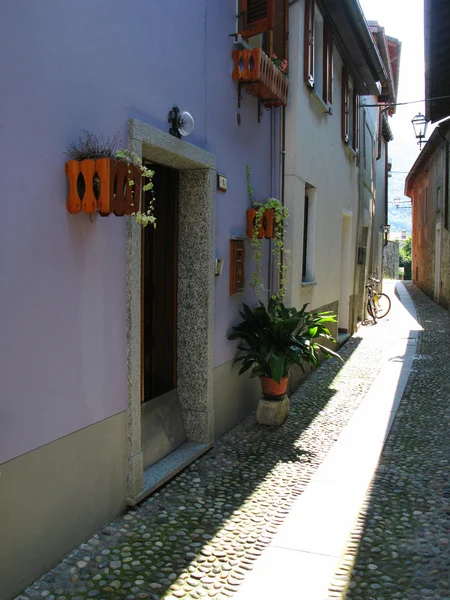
90, 146
279, 252
278, 337
405, 250
146, 217
406, 257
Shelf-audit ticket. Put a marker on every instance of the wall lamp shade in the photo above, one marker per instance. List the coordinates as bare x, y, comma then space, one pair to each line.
181, 123
420, 125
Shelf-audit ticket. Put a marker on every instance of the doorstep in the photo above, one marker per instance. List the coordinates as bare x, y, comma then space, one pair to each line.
165, 469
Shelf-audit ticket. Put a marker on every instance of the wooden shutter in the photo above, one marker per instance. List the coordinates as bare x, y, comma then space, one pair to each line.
345, 106
257, 16
279, 44
327, 64
355, 120
308, 58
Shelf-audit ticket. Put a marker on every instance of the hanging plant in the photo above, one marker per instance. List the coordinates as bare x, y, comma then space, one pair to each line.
267, 219
107, 179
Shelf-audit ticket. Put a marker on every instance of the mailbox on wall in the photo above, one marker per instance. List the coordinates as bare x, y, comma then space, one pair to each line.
237, 256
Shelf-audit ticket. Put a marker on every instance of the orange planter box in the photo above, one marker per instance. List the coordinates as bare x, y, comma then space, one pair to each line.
103, 185
266, 227
264, 79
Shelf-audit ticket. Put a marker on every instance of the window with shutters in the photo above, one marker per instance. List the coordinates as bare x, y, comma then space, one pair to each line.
318, 53
262, 69
264, 24
350, 110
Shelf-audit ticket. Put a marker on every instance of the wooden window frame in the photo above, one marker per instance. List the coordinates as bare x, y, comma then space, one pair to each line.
345, 113
305, 236
267, 26
308, 55
310, 58
259, 26
327, 88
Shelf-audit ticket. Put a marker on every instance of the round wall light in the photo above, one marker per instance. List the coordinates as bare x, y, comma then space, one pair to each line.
182, 122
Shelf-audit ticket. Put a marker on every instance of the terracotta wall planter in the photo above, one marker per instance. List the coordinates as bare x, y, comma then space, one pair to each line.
266, 227
103, 185
271, 388
264, 79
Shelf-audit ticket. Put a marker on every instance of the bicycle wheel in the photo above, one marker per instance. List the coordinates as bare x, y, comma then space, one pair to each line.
371, 309
382, 305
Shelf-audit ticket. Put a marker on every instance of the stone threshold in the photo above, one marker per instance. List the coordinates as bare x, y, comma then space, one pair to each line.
342, 337
160, 473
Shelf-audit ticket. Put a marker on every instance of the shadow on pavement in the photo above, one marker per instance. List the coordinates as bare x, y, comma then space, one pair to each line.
399, 548
205, 528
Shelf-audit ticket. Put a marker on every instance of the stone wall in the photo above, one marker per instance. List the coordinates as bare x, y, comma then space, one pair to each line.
391, 260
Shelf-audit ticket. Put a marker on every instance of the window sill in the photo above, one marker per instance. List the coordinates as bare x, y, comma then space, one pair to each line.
351, 153
318, 100
308, 283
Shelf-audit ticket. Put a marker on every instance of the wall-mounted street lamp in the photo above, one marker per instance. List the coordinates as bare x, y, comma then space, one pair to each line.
420, 125
385, 230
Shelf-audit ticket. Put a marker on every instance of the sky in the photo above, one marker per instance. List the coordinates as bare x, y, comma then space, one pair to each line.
403, 19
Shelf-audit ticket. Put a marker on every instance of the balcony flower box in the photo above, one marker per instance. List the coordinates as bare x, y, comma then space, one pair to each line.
255, 70
103, 185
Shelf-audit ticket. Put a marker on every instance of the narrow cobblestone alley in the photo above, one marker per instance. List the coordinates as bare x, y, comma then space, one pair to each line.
399, 547
201, 535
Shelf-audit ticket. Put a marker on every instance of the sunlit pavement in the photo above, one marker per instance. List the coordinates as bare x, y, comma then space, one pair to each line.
267, 513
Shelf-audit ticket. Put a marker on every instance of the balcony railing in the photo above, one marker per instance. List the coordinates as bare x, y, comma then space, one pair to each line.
255, 70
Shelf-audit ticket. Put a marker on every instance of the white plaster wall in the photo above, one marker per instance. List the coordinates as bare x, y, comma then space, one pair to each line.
379, 218
317, 155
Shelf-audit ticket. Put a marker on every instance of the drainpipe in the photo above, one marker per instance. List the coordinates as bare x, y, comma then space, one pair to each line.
269, 261
283, 158
386, 187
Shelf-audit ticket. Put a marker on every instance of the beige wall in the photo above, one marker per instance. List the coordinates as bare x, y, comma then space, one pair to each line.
55, 497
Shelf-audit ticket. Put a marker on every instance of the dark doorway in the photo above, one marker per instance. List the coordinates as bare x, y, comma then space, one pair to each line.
159, 285
162, 426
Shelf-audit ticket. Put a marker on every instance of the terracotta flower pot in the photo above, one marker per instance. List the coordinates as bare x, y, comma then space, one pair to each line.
269, 217
251, 216
266, 227
271, 388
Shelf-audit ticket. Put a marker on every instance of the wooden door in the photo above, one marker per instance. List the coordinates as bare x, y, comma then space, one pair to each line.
159, 287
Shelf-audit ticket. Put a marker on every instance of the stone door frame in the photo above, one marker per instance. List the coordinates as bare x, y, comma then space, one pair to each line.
195, 295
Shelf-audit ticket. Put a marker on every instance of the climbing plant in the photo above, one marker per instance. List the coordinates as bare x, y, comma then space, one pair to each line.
279, 252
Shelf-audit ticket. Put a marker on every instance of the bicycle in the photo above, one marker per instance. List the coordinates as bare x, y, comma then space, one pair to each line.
378, 304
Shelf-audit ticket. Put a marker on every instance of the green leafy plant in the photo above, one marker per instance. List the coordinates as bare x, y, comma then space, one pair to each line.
279, 252
405, 257
277, 337
91, 146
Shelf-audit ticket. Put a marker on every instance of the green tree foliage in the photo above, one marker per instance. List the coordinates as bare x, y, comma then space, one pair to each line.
405, 257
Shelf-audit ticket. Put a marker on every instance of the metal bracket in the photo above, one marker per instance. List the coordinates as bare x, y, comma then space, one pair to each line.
173, 120
259, 110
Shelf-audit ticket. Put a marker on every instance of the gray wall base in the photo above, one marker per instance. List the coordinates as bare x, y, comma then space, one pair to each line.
57, 496
234, 397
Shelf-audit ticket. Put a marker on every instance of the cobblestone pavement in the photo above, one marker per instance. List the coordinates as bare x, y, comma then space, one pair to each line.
201, 534
399, 547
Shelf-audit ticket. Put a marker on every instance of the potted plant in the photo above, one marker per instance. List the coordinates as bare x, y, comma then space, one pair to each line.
106, 179
267, 219
274, 339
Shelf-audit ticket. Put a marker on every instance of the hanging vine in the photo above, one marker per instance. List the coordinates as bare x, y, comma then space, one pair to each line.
279, 252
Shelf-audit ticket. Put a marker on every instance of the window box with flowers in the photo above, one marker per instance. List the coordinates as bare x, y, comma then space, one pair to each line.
262, 69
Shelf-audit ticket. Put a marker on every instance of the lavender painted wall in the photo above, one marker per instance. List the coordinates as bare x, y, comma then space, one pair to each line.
84, 64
